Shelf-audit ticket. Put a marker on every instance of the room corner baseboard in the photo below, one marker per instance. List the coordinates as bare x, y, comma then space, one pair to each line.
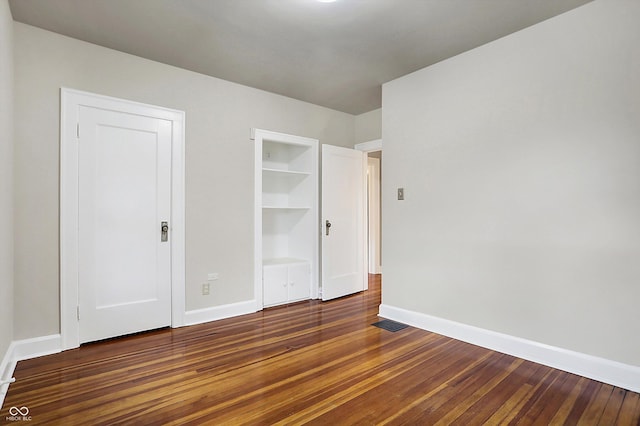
7, 367
589, 366
37, 346
20, 350
215, 313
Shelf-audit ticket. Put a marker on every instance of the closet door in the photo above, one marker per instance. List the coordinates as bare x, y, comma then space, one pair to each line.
299, 281
275, 279
124, 256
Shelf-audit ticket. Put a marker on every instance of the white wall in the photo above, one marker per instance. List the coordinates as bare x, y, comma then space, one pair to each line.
368, 126
521, 167
219, 163
6, 179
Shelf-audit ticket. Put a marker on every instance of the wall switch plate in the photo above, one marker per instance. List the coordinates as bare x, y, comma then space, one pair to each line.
205, 289
212, 276
400, 193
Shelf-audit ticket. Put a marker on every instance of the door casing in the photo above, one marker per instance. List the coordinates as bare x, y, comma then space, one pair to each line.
374, 267
71, 100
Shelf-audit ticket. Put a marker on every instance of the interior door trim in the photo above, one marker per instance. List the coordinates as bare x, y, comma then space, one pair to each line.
71, 100
370, 146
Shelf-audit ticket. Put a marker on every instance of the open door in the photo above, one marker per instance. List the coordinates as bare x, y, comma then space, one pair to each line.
343, 221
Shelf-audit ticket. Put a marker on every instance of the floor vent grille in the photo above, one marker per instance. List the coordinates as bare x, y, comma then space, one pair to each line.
390, 325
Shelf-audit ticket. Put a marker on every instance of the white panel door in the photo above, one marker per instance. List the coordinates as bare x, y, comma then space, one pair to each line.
343, 221
124, 192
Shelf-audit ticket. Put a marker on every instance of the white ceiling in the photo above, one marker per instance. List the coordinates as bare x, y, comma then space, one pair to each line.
331, 54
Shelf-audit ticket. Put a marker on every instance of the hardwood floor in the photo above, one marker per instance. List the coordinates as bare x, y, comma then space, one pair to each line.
312, 362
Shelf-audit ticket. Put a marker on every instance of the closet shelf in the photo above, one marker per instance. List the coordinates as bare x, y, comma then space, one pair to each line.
286, 207
282, 172
283, 261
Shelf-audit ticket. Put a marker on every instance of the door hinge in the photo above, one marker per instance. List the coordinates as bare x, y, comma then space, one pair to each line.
78, 312
78, 130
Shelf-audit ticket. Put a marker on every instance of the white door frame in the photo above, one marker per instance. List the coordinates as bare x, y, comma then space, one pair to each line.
371, 146
373, 216
71, 100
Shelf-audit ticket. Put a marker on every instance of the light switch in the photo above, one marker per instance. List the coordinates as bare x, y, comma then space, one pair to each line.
400, 193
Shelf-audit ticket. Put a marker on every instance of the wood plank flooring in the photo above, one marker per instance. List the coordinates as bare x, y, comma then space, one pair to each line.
307, 363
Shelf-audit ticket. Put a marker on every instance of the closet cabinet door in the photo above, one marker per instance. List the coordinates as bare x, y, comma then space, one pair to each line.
275, 285
299, 281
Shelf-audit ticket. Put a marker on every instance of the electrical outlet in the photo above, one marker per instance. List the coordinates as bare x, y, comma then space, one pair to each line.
205, 289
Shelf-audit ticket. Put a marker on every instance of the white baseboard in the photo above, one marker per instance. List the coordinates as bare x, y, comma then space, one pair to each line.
215, 313
7, 366
589, 366
25, 349
37, 346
